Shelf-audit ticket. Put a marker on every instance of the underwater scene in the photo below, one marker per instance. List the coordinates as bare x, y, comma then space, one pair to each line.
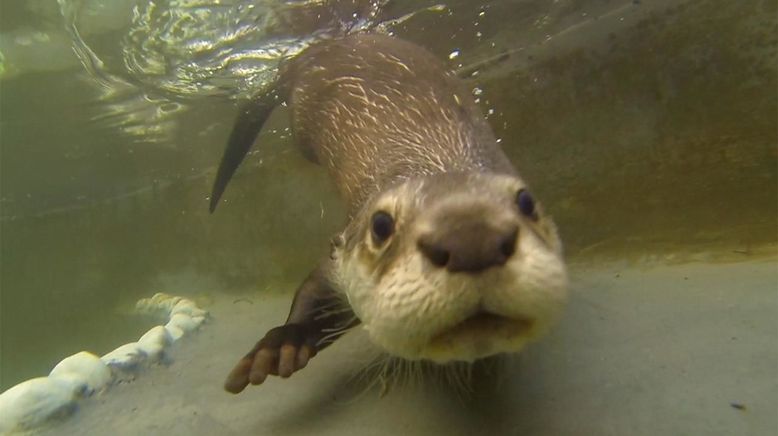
627, 285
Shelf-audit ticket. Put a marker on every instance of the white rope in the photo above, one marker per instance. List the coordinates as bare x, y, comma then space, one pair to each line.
39, 400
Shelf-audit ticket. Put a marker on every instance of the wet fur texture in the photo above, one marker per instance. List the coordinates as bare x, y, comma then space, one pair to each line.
404, 302
399, 134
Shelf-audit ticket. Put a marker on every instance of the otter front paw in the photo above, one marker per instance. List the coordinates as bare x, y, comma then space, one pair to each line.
284, 350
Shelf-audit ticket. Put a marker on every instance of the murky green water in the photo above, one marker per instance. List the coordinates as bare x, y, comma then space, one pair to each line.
649, 133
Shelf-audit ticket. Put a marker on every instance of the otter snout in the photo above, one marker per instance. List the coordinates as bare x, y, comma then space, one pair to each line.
468, 243
471, 268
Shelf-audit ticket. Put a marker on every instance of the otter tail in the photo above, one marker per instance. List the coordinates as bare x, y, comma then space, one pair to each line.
251, 118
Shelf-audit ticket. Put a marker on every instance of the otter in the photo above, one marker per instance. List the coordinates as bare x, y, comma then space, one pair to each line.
446, 255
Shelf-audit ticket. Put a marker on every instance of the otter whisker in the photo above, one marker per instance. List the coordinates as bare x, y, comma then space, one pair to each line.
335, 332
329, 313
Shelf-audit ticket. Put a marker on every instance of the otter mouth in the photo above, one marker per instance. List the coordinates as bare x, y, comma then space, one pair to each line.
480, 327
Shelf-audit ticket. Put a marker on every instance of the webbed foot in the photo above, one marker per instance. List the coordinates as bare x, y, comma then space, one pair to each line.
284, 350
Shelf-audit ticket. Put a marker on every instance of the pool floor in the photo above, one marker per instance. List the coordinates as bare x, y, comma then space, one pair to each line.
642, 350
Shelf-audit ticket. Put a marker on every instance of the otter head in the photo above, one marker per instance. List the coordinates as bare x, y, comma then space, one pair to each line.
452, 267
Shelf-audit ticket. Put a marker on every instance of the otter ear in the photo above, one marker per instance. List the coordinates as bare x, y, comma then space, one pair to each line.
336, 245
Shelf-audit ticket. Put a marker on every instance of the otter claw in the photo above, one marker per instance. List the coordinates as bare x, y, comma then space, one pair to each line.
305, 354
264, 364
239, 376
286, 361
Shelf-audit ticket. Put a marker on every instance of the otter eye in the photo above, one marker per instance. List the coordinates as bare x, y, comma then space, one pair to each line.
526, 203
382, 227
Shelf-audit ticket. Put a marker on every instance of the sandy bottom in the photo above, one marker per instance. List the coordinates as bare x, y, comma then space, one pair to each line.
662, 350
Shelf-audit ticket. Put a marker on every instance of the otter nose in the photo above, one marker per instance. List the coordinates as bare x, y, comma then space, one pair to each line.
470, 248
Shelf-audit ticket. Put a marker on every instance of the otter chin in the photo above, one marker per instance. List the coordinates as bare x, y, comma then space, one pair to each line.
476, 337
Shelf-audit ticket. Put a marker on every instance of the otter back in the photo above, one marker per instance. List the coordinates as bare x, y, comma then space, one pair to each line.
374, 110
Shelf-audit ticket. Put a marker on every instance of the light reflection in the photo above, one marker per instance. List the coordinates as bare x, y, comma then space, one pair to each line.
186, 49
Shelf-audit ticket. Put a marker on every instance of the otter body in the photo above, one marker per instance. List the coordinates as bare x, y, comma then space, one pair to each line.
377, 111
446, 255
